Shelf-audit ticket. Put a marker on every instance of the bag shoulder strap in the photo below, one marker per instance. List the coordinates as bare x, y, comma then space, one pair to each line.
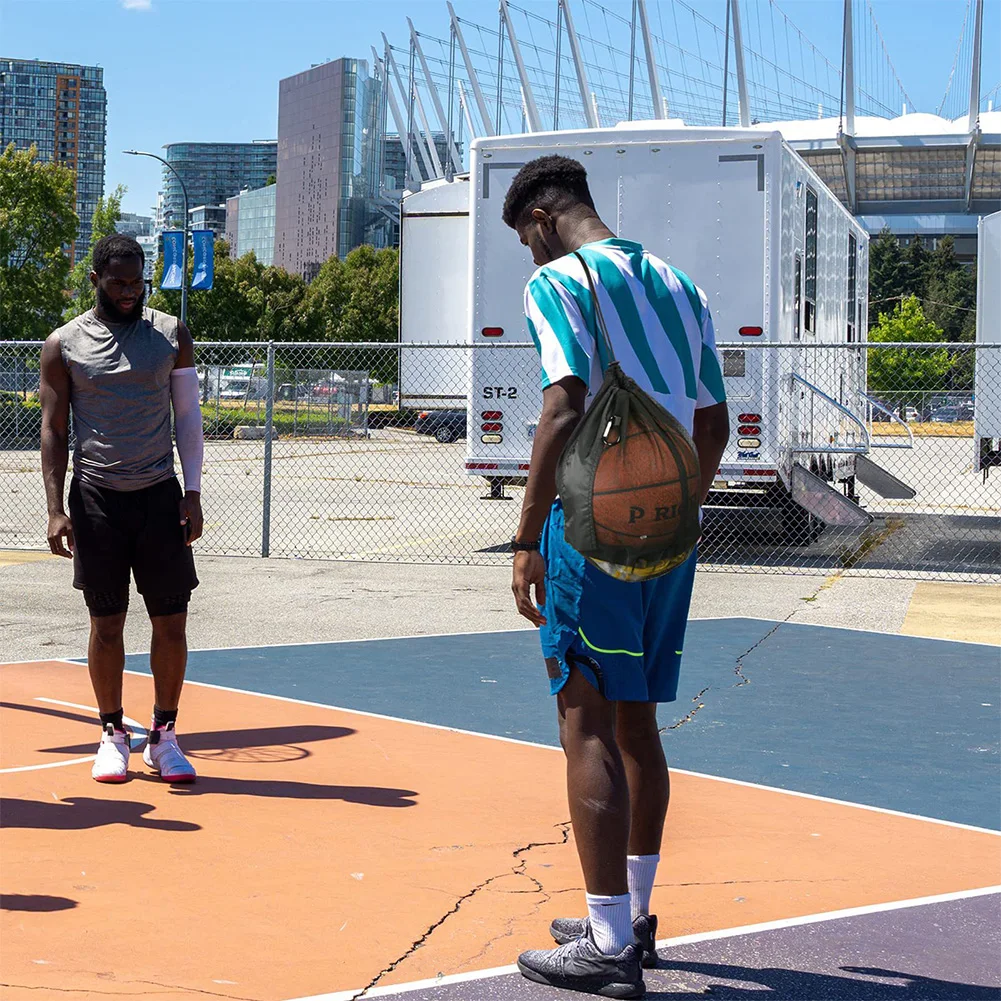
598, 315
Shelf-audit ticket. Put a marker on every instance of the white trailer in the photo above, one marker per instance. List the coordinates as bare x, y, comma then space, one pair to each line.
987, 384
782, 262
434, 290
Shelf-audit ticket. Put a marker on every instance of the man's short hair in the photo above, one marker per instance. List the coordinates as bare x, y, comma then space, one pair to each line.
553, 183
115, 245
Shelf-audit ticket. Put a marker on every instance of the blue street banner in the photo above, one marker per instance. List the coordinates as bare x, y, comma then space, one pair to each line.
202, 240
173, 254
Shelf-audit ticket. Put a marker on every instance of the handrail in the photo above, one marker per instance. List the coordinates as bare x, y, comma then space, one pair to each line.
893, 417
837, 406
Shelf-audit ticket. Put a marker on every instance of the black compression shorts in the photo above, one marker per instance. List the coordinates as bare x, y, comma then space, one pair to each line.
118, 532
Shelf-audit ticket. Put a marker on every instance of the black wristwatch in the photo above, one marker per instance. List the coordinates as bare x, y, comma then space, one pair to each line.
524, 547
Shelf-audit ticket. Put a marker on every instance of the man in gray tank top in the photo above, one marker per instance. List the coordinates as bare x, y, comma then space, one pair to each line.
120, 368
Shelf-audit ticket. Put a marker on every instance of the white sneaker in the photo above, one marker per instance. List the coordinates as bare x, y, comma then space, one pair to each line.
164, 756
112, 761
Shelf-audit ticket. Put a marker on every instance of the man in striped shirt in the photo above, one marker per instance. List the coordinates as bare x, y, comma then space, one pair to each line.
612, 648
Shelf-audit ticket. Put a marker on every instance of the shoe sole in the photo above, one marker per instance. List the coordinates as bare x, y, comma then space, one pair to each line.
650, 959
623, 991
111, 779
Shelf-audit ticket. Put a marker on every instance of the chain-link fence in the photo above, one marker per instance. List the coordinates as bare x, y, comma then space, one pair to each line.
842, 458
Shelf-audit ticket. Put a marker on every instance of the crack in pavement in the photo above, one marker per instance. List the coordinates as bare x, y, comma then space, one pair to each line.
516, 870
742, 678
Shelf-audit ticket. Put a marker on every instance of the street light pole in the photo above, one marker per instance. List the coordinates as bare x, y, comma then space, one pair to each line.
184, 248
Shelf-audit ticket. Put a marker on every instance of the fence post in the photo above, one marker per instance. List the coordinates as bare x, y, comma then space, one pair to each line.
269, 418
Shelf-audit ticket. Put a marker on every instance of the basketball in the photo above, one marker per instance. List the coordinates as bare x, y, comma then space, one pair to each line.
646, 489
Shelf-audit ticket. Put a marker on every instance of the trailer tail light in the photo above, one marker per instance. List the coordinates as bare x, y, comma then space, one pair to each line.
743, 418
748, 429
523, 465
496, 415
481, 465
492, 426
750, 331
748, 443
492, 331
491, 439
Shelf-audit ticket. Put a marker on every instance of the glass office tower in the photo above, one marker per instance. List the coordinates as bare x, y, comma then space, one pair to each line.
328, 163
62, 109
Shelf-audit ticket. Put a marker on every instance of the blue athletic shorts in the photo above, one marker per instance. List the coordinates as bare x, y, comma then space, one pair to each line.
625, 637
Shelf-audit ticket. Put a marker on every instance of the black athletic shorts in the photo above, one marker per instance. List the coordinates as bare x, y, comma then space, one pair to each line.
118, 531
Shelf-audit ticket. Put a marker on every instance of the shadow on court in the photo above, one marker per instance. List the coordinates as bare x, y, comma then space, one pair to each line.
211, 785
37, 903
257, 744
81, 813
776, 984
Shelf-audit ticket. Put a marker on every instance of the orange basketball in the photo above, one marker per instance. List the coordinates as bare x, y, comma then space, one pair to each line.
645, 486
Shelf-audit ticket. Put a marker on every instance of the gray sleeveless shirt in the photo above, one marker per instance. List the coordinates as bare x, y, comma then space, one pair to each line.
120, 397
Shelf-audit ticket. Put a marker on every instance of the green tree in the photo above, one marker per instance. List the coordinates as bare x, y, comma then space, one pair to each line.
37, 221
902, 376
372, 312
889, 273
104, 222
326, 298
950, 293
915, 274
271, 180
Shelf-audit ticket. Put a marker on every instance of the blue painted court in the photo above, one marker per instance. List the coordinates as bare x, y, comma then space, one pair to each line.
388, 817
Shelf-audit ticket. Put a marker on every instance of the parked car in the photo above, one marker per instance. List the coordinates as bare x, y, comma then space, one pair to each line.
949, 415
444, 426
911, 414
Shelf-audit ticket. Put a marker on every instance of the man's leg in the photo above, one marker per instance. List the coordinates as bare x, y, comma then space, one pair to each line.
168, 658
649, 793
596, 785
642, 753
106, 660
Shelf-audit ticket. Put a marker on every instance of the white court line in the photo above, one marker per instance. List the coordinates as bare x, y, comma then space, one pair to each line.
551, 747
667, 943
501, 632
136, 740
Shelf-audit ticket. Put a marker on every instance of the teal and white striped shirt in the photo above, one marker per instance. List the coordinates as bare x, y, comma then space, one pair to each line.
658, 322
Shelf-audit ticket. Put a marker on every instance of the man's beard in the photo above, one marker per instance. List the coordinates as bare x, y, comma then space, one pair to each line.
113, 313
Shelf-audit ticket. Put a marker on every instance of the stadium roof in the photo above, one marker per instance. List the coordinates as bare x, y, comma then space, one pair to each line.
914, 164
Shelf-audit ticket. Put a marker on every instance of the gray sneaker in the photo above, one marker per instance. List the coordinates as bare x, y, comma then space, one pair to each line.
566, 930
580, 966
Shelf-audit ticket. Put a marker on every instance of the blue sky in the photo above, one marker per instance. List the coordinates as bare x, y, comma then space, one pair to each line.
180, 70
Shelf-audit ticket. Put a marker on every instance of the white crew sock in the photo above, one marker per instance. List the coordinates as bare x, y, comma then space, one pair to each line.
642, 870
611, 923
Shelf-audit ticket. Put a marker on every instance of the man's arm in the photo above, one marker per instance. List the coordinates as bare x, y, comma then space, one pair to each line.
54, 392
184, 397
710, 433
562, 409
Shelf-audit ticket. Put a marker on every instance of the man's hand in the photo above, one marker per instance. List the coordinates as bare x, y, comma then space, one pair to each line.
529, 570
191, 515
60, 527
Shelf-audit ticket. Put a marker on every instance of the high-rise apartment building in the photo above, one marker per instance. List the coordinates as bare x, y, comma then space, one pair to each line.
250, 224
212, 172
328, 163
62, 109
